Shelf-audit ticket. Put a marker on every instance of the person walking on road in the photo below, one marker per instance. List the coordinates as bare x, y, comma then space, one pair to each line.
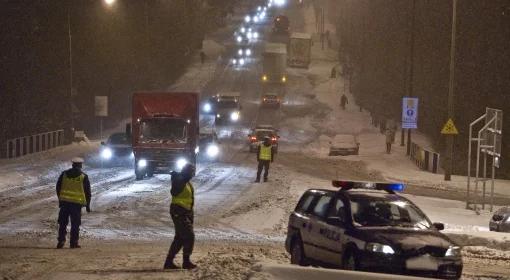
73, 192
390, 138
265, 156
181, 211
202, 57
343, 101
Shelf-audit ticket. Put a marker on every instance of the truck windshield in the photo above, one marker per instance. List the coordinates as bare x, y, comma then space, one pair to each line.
163, 130
376, 212
231, 104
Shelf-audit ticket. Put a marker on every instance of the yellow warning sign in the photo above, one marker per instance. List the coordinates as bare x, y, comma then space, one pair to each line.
449, 128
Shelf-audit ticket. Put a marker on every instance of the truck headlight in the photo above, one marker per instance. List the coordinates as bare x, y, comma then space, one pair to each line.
264, 78
453, 251
247, 19
284, 79
181, 163
234, 61
142, 163
379, 248
207, 107
239, 39
247, 52
241, 61
218, 116
234, 116
240, 52
255, 35
106, 153
212, 151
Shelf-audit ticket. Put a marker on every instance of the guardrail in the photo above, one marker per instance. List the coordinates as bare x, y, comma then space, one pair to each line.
425, 159
25, 145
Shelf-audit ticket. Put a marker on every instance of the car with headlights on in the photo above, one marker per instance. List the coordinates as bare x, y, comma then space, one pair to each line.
500, 221
117, 149
367, 226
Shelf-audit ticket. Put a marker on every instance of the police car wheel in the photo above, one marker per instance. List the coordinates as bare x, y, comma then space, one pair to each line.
350, 261
297, 255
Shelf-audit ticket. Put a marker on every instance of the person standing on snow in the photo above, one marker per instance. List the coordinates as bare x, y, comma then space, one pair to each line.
265, 156
181, 211
390, 138
343, 101
73, 192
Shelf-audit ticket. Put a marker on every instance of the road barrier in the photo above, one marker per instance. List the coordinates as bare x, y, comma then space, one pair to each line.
25, 145
425, 159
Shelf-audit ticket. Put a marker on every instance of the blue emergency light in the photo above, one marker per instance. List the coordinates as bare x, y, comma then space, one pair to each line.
388, 187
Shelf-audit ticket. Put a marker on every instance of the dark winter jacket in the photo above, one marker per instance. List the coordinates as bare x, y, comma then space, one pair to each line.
179, 181
272, 151
73, 173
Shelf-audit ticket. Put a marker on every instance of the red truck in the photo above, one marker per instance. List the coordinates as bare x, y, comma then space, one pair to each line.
165, 131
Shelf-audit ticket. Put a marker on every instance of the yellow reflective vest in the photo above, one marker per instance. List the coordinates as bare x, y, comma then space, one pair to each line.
265, 152
185, 198
72, 190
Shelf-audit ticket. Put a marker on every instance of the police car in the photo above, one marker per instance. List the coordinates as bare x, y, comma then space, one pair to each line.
367, 226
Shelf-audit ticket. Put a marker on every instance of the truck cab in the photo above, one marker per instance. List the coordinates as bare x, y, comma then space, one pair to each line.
164, 132
228, 107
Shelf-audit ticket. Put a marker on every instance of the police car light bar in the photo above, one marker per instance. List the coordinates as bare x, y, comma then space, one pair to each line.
388, 187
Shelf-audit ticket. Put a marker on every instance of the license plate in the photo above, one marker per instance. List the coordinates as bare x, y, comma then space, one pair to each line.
425, 262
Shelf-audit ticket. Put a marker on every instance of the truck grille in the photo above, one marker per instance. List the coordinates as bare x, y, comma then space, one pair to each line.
161, 155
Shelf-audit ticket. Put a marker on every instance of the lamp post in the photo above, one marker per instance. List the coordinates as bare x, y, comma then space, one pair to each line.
108, 3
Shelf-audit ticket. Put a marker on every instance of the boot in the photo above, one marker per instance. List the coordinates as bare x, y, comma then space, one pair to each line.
75, 246
265, 179
187, 264
257, 180
169, 264
61, 244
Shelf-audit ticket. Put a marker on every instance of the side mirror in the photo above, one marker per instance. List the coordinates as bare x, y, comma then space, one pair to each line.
336, 221
438, 226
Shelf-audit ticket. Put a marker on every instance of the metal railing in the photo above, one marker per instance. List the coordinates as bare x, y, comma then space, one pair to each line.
425, 159
25, 145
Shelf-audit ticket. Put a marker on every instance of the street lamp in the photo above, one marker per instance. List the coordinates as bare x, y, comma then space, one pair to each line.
109, 2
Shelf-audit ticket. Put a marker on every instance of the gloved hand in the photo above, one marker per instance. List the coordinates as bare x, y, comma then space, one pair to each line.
88, 209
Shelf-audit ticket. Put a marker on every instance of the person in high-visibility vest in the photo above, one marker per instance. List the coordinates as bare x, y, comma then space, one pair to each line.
181, 211
265, 155
73, 192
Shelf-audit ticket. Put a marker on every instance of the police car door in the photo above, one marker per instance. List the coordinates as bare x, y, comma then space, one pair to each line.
331, 233
319, 213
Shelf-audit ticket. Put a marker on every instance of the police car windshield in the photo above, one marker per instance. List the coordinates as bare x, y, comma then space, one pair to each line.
370, 211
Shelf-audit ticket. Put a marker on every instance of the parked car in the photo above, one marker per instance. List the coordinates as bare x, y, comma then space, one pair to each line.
367, 226
500, 221
344, 145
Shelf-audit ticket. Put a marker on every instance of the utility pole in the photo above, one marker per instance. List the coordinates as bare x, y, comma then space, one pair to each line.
411, 70
71, 103
451, 108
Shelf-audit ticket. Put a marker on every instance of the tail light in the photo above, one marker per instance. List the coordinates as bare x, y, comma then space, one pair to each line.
274, 139
253, 138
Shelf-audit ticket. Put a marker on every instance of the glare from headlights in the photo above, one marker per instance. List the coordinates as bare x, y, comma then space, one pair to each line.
132, 155
259, 8
142, 163
212, 151
255, 19
255, 35
197, 150
239, 39
247, 19
106, 153
243, 29
234, 61
218, 115
234, 116
279, 2
453, 251
207, 107
180, 163
241, 61
240, 52
248, 52
249, 35
379, 248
